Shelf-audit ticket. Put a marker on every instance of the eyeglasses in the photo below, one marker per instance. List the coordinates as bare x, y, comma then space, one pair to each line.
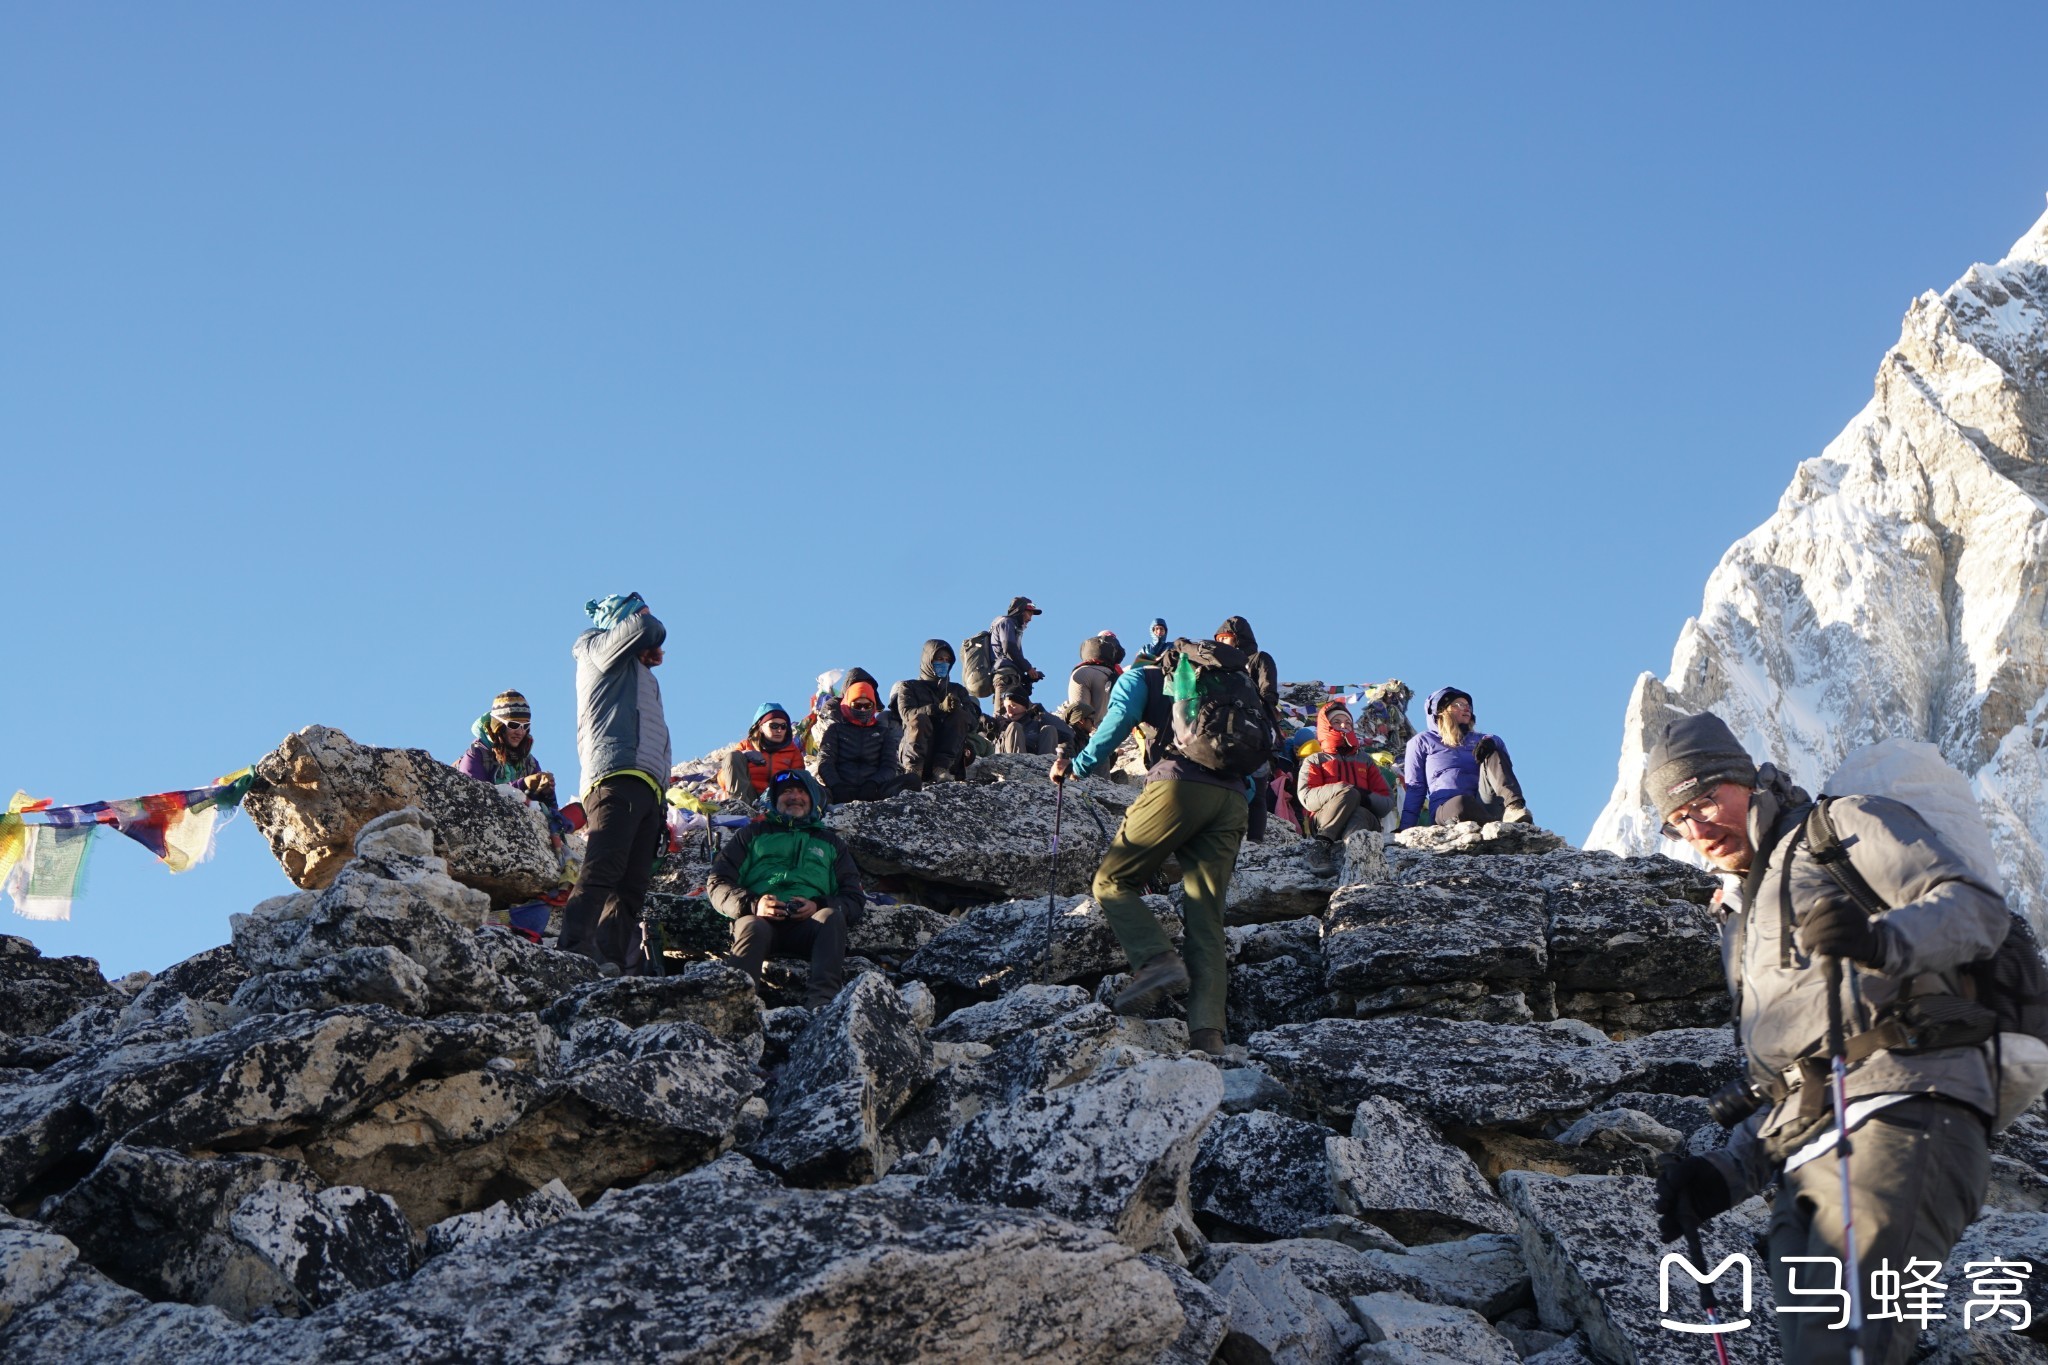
1703, 810
516, 724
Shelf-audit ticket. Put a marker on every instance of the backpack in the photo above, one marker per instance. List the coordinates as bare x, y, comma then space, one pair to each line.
1219, 719
2004, 997
977, 665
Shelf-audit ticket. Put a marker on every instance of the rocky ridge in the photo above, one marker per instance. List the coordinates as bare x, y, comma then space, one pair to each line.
375, 1126
1898, 588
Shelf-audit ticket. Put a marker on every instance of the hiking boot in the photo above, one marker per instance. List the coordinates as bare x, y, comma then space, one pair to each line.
1322, 859
1209, 1040
1160, 977
1516, 815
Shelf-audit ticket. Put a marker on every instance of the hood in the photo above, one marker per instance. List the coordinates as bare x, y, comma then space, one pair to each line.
1441, 698
1242, 629
767, 709
854, 691
769, 815
927, 667
1326, 733
1095, 650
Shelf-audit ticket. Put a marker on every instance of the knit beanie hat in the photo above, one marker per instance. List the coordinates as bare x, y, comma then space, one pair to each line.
1694, 755
770, 708
510, 706
857, 691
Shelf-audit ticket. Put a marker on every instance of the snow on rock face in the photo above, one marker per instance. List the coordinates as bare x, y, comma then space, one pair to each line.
1901, 588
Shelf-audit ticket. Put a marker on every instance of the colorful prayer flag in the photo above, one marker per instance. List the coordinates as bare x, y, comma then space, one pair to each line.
51, 872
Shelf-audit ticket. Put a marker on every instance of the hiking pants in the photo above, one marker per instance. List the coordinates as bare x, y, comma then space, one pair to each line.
934, 742
1261, 806
1918, 1172
602, 917
1499, 788
1347, 814
823, 936
1204, 826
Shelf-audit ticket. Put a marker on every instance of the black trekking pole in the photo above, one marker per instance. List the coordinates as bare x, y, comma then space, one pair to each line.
1708, 1302
1838, 1066
1059, 806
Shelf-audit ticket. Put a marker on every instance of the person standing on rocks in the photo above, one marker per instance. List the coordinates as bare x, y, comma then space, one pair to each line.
503, 749
1007, 664
1919, 1105
1454, 768
786, 882
1343, 795
622, 741
770, 748
1192, 811
936, 715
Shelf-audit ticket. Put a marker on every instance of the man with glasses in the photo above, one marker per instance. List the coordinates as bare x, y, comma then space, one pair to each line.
503, 749
1920, 1099
769, 750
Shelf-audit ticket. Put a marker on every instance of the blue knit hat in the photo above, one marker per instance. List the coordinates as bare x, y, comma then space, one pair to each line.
767, 709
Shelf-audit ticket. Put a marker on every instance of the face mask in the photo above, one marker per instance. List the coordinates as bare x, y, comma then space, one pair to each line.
941, 671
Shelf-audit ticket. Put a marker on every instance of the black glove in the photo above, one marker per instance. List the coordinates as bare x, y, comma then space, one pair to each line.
1690, 1190
1838, 927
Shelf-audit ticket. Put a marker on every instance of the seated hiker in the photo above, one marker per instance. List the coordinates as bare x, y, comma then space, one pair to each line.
857, 756
769, 748
1089, 683
1340, 789
1007, 664
787, 883
936, 715
503, 751
1022, 726
1462, 774
1155, 643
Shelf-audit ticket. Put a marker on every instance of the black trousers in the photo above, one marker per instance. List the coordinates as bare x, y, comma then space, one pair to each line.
622, 839
823, 936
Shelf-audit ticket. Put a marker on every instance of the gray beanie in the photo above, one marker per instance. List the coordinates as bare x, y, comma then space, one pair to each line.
1693, 756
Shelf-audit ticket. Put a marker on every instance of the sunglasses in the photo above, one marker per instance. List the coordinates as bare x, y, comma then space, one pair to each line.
516, 724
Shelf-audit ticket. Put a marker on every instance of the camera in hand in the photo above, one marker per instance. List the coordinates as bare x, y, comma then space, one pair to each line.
1734, 1102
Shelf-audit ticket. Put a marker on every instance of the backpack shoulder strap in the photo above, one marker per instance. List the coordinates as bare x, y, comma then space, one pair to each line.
1827, 850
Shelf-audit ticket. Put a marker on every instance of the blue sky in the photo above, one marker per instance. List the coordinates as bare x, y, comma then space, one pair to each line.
345, 351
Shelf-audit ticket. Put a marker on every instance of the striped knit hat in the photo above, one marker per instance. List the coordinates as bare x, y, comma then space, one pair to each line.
510, 706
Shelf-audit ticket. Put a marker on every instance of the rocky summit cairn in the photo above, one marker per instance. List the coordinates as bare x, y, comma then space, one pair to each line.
373, 1127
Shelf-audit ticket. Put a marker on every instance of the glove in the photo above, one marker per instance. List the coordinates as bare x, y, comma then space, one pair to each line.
1838, 927
1690, 1190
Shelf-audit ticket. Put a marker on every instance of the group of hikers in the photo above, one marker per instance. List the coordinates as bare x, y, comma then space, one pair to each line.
1200, 720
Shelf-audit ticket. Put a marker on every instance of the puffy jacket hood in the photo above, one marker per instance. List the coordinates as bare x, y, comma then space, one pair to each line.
1333, 740
1441, 698
928, 661
770, 815
1241, 631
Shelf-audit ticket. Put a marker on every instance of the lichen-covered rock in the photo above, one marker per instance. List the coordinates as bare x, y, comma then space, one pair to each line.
985, 838
737, 1274
1397, 1172
38, 993
891, 933
1276, 1318
1449, 1071
549, 1204
1260, 1175
994, 1021
1273, 881
1111, 1152
1594, 1256
995, 948
368, 976
1276, 976
1485, 1273
1207, 1315
1385, 935
1452, 1332
716, 996
319, 788
848, 1075
324, 1244
1469, 836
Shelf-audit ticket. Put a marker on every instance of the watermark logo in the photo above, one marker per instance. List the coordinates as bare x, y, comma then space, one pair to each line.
1701, 1277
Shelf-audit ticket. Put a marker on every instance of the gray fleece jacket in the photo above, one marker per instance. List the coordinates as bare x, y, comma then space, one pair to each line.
1942, 918
619, 721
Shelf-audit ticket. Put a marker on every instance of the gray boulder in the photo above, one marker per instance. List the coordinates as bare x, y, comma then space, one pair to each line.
848, 1075
326, 1244
38, 993
1272, 881
891, 933
318, 790
1260, 1175
996, 948
1455, 1333
1275, 1319
1207, 1317
1469, 836
994, 1021
1397, 1172
1451, 1072
1111, 1152
715, 996
1621, 1128
1485, 1273
549, 1204
1383, 935
1594, 1259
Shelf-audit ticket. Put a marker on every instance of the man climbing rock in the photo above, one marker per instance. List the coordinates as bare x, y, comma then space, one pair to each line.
1197, 701
1006, 646
936, 715
787, 883
1344, 795
1921, 1092
769, 750
1461, 773
622, 740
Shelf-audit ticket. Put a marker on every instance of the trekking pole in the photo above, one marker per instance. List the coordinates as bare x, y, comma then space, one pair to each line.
1708, 1302
1838, 1065
1059, 806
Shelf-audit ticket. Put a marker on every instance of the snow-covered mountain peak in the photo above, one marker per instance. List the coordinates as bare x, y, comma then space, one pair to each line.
1901, 587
